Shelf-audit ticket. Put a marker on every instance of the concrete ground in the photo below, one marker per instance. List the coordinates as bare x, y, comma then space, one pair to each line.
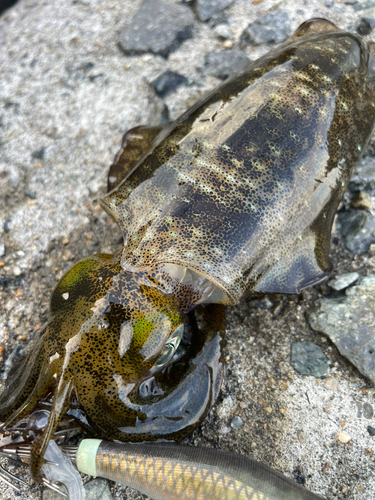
67, 95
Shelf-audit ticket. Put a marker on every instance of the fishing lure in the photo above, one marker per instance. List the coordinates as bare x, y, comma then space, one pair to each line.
167, 471
164, 471
235, 197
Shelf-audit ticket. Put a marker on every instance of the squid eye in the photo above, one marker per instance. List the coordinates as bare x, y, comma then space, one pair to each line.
170, 348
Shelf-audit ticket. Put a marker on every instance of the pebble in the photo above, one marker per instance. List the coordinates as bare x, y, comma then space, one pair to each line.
343, 281
223, 32
39, 153
264, 303
365, 171
358, 230
30, 194
158, 27
207, 8
167, 82
349, 322
308, 359
343, 437
362, 200
366, 25
274, 27
223, 429
330, 384
226, 63
371, 430
236, 423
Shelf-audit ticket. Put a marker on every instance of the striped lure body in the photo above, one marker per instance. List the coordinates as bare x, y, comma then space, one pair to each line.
170, 472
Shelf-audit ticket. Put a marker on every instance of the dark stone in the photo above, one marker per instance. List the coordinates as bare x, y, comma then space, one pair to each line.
226, 63
371, 430
11, 282
271, 28
361, 5
218, 18
365, 171
366, 25
7, 225
308, 359
30, 194
350, 322
158, 27
208, 8
299, 477
39, 153
167, 82
358, 230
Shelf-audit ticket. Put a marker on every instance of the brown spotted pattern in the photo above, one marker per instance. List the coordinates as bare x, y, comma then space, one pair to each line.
107, 330
244, 187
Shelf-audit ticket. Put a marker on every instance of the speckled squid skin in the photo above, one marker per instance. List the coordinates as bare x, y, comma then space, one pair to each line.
242, 189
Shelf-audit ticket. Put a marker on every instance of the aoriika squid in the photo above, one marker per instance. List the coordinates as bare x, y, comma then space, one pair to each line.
236, 197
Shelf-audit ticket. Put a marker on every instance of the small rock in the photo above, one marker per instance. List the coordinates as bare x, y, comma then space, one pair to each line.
7, 225
207, 8
366, 25
16, 271
272, 28
365, 171
227, 44
30, 194
158, 27
223, 429
298, 476
350, 323
2, 249
264, 303
216, 19
98, 489
308, 359
371, 430
362, 200
358, 230
11, 282
360, 4
367, 410
343, 437
167, 82
39, 153
226, 63
236, 423
343, 281
223, 32
301, 437
330, 384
